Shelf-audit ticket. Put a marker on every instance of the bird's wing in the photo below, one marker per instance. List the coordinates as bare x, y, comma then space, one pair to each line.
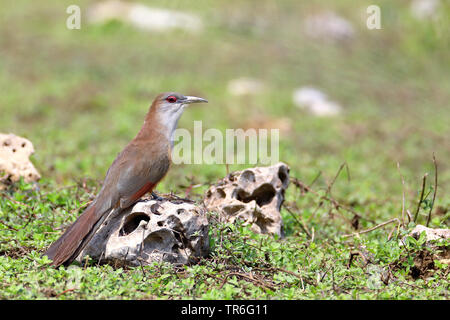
136, 172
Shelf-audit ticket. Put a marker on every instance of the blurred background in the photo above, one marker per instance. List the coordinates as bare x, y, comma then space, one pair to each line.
337, 91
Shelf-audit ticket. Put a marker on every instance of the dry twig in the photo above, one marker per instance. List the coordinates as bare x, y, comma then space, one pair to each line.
256, 281
424, 181
435, 189
300, 223
371, 229
403, 194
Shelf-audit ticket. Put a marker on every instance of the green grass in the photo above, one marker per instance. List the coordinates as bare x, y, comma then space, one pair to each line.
81, 95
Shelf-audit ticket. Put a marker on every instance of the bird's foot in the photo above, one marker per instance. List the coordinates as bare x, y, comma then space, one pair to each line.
156, 197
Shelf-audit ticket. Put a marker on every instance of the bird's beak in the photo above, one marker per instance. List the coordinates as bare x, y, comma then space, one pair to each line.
191, 99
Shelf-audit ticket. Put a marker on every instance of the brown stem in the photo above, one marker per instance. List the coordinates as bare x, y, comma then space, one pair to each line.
424, 181
435, 189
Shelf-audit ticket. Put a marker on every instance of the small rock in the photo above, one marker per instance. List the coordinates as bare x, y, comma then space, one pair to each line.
328, 26
424, 9
253, 195
245, 86
431, 234
315, 102
14, 160
143, 17
174, 231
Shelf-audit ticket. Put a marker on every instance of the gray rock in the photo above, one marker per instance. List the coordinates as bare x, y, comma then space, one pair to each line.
175, 231
253, 195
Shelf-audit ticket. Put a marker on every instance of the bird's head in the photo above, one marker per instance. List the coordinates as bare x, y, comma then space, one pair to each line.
169, 106
173, 102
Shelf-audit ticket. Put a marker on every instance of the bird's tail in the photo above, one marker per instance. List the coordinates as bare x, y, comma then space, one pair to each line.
66, 249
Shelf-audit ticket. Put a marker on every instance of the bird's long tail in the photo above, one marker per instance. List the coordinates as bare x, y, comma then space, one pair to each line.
66, 249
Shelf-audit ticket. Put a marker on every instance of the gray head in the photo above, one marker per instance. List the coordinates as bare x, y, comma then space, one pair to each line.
169, 107
170, 102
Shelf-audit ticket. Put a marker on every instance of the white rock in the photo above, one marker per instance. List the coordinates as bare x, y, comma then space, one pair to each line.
316, 102
328, 26
424, 9
245, 86
431, 234
152, 230
308, 96
14, 160
143, 17
253, 195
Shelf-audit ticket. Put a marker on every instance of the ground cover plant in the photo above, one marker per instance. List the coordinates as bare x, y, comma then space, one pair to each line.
360, 181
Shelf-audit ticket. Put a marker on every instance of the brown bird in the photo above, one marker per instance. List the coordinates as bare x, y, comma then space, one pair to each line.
135, 171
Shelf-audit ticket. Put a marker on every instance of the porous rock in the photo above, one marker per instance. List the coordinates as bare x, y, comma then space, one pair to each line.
431, 234
253, 195
15, 152
168, 230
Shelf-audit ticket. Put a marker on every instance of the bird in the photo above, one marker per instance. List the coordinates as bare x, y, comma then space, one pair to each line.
137, 169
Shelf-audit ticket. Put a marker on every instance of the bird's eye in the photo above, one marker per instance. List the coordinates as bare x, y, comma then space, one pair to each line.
171, 99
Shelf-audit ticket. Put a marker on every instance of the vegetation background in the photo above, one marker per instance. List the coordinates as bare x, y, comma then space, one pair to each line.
81, 95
